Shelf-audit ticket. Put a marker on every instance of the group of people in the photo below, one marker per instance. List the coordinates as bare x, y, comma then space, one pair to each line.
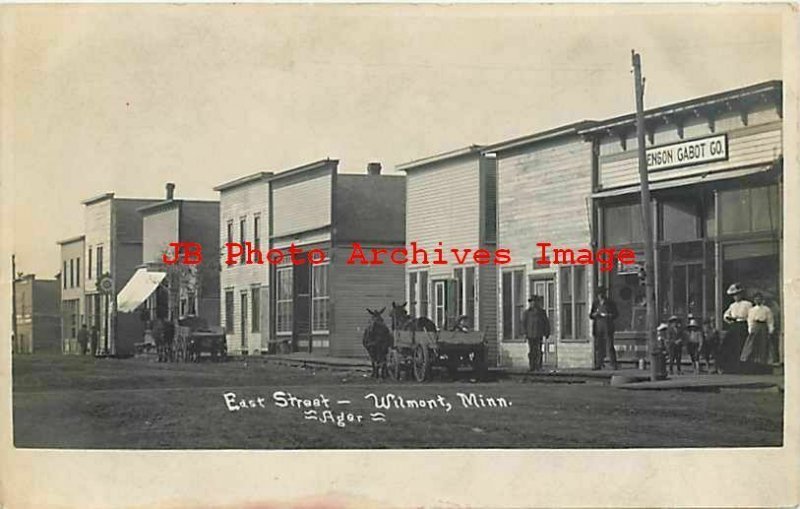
747, 344
88, 339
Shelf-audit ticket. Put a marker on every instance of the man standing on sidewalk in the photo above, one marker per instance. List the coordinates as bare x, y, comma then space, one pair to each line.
536, 326
603, 314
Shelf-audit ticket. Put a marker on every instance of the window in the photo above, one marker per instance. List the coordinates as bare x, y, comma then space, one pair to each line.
64, 275
72, 273
320, 298
439, 308
89, 268
77, 272
572, 281
680, 221
229, 237
191, 304
750, 210
412, 293
229, 312
257, 231
255, 304
242, 230
243, 319
418, 293
465, 288
623, 224
283, 300
513, 304
99, 262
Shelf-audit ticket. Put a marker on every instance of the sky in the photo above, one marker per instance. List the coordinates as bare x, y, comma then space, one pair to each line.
122, 98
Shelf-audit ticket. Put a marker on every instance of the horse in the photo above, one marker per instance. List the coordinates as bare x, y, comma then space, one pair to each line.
401, 320
377, 340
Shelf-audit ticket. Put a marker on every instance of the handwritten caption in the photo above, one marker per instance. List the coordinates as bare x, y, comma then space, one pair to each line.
343, 412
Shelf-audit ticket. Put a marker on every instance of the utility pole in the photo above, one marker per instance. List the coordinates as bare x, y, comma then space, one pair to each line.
647, 219
13, 303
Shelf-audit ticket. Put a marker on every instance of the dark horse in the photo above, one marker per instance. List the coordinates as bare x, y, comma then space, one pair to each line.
377, 340
401, 320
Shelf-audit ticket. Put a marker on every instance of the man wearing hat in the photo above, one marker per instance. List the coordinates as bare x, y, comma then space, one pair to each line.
736, 319
536, 326
603, 314
674, 343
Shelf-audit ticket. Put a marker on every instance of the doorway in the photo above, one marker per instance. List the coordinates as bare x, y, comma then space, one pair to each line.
546, 289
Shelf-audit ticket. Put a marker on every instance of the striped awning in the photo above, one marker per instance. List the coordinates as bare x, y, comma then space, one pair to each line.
138, 289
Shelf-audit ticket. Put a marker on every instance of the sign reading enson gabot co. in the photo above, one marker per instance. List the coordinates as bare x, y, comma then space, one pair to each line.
685, 153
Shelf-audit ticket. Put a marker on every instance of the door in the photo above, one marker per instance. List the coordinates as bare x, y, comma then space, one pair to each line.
546, 289
243, 321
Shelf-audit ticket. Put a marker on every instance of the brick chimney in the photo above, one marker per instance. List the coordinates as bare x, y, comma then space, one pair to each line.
374, 168
170, 190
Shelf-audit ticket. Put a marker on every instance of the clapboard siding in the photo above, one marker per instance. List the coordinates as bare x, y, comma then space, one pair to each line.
355, 288
543, 196
758, 142
97, 222
302, 205
443, 205
487, 310
246, 201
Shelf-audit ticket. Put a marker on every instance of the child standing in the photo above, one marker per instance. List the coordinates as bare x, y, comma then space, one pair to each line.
709, 348
674, 343
694, 341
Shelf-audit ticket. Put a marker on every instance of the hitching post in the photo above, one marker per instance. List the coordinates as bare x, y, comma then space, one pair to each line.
649, 253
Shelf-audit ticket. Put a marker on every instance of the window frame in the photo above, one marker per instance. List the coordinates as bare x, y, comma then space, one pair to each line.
515, 336
315, 299
230, 311
255, 309
285, 302
573, 304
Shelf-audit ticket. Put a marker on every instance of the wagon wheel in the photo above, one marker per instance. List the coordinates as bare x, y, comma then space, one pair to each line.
422, 363
393, 365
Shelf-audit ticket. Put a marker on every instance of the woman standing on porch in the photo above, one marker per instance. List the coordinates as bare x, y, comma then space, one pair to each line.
736, 318
760, 326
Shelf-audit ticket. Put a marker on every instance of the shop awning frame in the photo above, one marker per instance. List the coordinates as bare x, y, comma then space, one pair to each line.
138, 288
687, 181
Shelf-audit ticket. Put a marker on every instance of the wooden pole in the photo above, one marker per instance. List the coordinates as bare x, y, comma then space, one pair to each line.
647, 220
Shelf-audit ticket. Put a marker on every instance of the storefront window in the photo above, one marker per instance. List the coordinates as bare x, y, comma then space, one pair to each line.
513, 303
623, 224
750, 210
680, 221
756, 266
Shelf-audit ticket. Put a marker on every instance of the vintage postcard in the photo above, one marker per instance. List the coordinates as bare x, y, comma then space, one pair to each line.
352, 255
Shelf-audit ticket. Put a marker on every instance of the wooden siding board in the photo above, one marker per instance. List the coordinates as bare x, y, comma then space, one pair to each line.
243, 201
303, 205
353, 289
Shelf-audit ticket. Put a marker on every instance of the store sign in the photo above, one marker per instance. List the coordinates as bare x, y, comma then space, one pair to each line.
687, 153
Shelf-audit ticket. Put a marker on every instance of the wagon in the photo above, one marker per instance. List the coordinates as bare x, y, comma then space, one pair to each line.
418, 352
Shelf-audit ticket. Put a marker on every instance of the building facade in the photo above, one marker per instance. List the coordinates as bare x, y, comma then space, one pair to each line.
113, 244
187, 290
73, 313
451, 203
543, 186
244, 216
321, 308
715, 170
38, 317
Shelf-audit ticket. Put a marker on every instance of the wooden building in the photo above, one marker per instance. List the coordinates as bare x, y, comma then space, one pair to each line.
244, 216
715, 170
543, 185
113, 243
451, 202
321, 308
72, 292
38, 316
187, 290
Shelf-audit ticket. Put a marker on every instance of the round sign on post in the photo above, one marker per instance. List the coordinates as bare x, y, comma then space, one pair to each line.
105, 284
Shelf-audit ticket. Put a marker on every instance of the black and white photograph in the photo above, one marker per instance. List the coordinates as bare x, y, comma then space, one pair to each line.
317, 228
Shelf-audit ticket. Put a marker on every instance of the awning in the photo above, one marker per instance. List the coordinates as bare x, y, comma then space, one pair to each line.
138, 289
686, 181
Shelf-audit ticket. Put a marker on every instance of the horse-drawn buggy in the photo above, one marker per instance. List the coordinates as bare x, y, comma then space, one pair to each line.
195, 337
416, 346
